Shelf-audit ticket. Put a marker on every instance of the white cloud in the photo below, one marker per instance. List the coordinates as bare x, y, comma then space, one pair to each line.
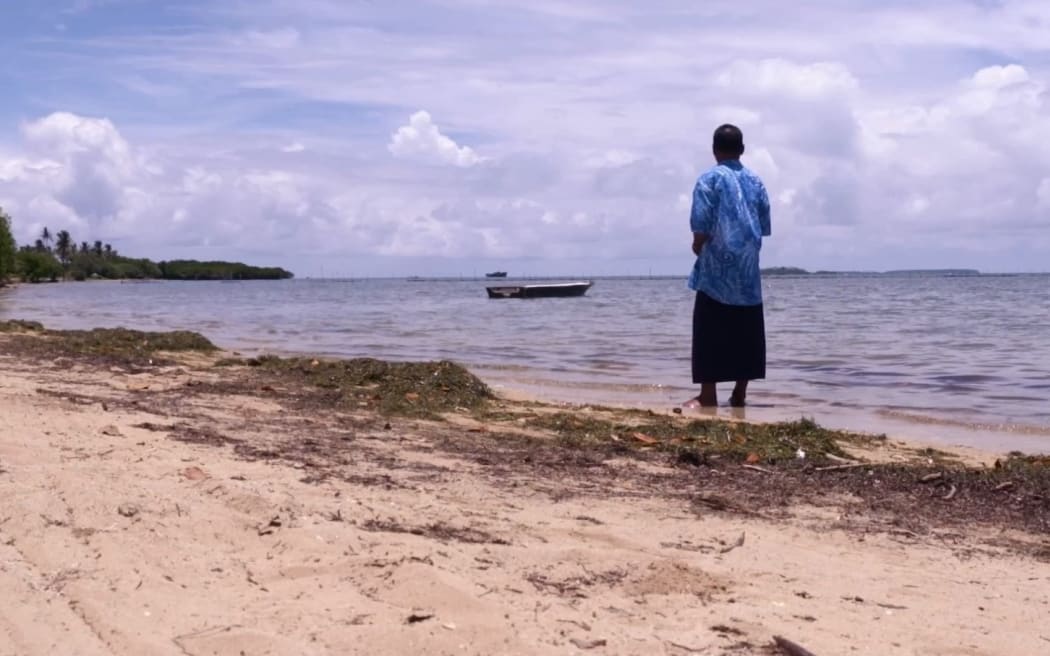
923, 124
787, 78
89, 168
999, 77
66, 133
18, 169
421, 139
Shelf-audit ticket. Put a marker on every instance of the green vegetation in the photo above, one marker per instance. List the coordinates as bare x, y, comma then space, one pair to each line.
7, 248
699, 440
194, 270
20, 326
118, 345
57, 256
414, 389
38, 266
784, 271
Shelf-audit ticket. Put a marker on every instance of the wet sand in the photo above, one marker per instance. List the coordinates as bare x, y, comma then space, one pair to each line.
192, 509
768, 403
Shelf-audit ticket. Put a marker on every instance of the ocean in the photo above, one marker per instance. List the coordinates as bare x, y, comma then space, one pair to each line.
962, 360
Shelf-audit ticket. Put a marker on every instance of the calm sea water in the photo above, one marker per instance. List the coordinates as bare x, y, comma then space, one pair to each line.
963, 360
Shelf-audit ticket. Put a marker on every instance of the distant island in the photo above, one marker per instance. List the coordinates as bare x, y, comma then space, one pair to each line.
59, 257
938, 272
795, 271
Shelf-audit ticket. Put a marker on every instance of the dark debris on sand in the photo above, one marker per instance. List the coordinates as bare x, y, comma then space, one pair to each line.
701, 441
715, 466
103, 345
756, 469
437, 530
410, 389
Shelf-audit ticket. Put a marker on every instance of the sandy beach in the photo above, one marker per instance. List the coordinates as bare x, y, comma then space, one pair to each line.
166, 505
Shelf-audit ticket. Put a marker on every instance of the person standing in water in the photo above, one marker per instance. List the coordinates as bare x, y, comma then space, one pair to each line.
729, 217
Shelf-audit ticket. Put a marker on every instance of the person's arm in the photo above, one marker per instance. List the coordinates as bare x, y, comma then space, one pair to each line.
698, 242
702, 215
764, 220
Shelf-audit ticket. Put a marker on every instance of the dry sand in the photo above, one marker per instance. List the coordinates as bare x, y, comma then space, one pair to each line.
138, 520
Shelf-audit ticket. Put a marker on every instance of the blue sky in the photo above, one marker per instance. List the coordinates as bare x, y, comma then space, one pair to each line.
450, 137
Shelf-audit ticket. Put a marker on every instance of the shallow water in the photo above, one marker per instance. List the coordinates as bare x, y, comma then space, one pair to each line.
962, 360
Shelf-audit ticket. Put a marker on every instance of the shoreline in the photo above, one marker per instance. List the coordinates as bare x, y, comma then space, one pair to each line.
579, 374
988, 439
192, 502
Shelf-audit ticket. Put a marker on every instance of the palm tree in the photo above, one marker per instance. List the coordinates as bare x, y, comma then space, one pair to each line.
97, 248
39, 246
64, 246
45, 238
109, 251
84, 248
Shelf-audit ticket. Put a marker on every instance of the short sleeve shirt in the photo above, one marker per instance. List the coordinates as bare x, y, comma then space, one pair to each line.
731, 207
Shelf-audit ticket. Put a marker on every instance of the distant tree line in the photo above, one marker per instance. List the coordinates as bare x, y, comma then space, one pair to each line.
194, 270
784, 271
58, 256
7, 248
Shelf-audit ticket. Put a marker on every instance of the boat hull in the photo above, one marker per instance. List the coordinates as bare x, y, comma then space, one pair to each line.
557, 290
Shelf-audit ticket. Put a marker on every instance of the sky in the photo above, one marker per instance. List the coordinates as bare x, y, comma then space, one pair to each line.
542, 137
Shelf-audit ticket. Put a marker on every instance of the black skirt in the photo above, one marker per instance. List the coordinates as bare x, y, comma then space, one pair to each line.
729, 341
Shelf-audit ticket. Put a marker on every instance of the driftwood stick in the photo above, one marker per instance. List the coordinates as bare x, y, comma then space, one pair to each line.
951, 494
757, 468
852, 465
844, 461
739, 543
790, 648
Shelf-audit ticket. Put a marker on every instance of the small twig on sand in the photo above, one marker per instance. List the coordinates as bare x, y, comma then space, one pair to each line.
757, 468
1003, 486
929, 478
852, 465
739, 543
691, 650
583, 625
203, 633
892, 606
951, 494
790, 648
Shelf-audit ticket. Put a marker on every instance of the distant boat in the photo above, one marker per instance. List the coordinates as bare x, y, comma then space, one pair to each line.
496, 274
540, 290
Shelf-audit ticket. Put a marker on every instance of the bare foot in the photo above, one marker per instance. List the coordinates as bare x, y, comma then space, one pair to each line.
699, 402
738, 399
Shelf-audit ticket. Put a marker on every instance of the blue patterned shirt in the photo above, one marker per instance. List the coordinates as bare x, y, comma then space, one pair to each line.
731, 207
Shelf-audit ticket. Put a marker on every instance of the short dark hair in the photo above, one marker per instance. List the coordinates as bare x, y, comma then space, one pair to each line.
729, 140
